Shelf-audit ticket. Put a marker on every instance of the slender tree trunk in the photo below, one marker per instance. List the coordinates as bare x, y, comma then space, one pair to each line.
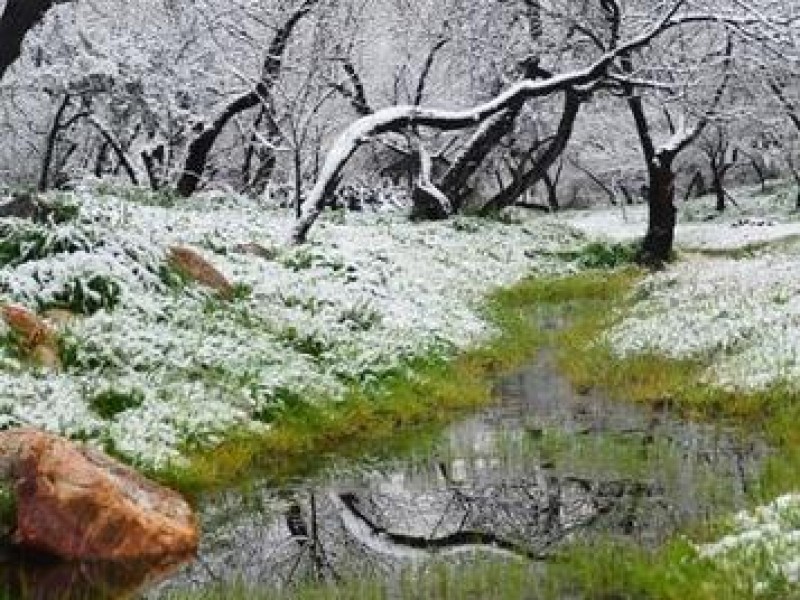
552, 192
719, 193
696, 185
200, 148
50, 145
485, 139
572, 105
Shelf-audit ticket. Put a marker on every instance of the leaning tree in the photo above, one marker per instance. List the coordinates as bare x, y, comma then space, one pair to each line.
605, 50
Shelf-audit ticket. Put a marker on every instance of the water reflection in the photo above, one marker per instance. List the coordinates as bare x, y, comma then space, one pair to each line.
38, 578
544, 468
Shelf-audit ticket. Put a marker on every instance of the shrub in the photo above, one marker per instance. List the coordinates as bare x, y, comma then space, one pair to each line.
112, 402
86, 296
21, 243
602, 255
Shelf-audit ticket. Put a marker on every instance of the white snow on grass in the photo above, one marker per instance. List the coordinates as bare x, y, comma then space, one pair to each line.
764, 544
731, 301
741, 316
368, 294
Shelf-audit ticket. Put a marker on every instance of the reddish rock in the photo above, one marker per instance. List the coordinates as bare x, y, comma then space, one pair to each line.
77, 503
194, 266
31, 328
36, 338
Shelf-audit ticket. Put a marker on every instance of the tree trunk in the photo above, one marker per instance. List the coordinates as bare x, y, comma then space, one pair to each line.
428, 202
507, 197
50, 145
552, 192
18, 18
485, 139
719, 192
657, 246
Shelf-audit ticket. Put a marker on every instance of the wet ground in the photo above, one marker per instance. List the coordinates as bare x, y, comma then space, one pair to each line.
544, 467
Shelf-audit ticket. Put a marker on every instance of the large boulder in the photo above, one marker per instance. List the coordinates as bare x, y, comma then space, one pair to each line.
76, 503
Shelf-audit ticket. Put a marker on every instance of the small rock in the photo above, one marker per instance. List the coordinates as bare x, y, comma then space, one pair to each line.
76, 503
37, 339
192, 264
26, 324
23, 206
258, 250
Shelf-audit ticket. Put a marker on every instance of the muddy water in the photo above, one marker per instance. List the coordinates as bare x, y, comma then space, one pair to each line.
544, 467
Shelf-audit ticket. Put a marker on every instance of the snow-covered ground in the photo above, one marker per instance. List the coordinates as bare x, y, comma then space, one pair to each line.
738, 312
756, 218
764, 543
365, 296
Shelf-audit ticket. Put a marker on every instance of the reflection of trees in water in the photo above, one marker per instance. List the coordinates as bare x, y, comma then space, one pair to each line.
389, 522
486, 490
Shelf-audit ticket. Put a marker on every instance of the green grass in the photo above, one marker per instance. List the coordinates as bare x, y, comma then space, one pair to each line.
605, 570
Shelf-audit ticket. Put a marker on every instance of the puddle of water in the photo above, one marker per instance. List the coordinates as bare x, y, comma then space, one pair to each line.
544, 468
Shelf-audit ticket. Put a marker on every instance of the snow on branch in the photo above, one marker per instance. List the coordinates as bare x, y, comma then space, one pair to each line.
398, 118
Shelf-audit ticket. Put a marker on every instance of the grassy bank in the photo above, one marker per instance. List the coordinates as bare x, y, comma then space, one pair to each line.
400, 411
612, 570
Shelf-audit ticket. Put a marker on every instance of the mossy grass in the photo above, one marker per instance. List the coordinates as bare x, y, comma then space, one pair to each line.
674, 384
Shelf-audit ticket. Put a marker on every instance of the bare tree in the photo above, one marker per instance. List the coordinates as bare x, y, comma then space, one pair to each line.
261, 94
574, 85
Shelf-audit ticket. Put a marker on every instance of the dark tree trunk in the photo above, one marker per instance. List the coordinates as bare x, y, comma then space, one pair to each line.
18, 18
50, 145
200, 147
629, 200
697, 186
657, 245
759, 170
100, 161
507, 197
719, 193
454, 183
552, 192
455, 180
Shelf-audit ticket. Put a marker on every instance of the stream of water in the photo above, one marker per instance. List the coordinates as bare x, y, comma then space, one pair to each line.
544, 467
